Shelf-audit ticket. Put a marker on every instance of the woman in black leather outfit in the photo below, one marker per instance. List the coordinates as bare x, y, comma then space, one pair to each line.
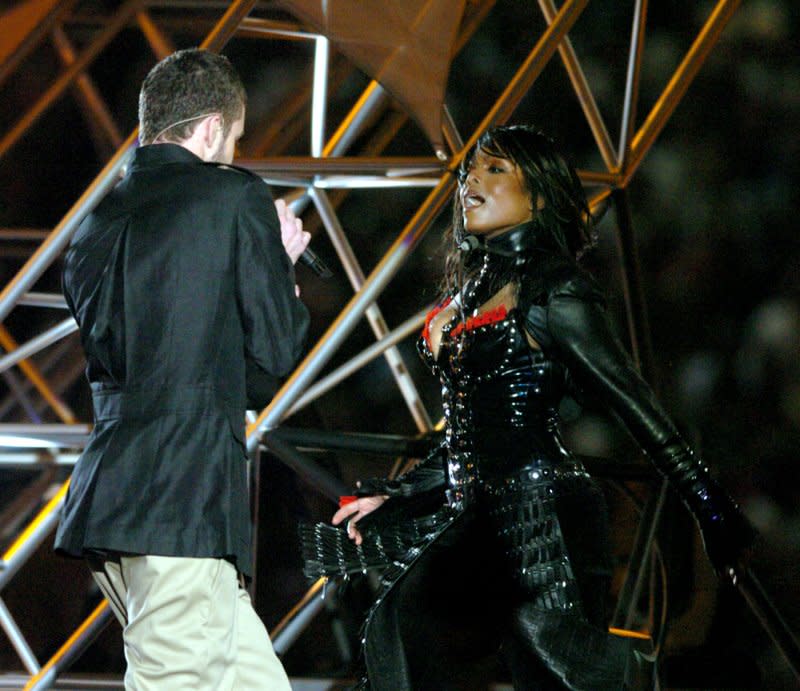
498, 540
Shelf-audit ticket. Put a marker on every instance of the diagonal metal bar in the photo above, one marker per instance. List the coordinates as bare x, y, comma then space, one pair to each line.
678, 84
325, 384
36, 378
24, 651
373, 313
300, 616
57, 88
353, 311
306, 469
58, 239
583, 92
34, 38
40, 342
159, 43
55, 300
531, 68
632, 80
83, 636
302, 377
88, 95
227, 25
30, 538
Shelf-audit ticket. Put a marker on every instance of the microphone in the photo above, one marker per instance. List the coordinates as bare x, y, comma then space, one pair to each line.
469, 243
313, 262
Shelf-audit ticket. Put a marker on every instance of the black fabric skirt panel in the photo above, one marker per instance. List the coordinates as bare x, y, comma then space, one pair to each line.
440, 621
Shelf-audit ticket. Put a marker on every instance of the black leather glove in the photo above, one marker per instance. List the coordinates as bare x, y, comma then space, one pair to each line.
725, 531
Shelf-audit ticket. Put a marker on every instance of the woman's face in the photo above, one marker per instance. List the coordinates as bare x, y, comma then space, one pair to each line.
494, 198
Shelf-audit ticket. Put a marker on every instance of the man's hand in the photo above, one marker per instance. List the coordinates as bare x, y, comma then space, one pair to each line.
294, 239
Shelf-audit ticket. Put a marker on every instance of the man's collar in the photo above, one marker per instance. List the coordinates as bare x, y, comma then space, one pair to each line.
162, 154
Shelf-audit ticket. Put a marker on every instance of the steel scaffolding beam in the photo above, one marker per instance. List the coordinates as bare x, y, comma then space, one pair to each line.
332, 162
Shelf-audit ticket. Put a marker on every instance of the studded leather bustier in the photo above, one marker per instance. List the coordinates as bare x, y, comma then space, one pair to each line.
500, 400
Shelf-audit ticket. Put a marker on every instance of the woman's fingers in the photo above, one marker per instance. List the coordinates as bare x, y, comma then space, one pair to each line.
345, 512
353, 512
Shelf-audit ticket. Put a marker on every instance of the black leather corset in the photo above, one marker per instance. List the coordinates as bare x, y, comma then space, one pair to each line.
500, 398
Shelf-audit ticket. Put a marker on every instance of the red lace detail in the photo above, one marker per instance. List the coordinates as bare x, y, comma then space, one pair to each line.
426, 331
490, 317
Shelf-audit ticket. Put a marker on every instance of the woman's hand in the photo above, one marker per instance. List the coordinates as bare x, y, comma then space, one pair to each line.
294, 239
354, 511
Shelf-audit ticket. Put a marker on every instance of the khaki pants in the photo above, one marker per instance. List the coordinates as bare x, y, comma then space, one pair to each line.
188, 625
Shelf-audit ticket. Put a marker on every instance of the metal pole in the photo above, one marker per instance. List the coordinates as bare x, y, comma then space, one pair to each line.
51, 248
319, 94
367, 355
373, 98
18, 640
347, 320
56, 90
299, 617
40, 342
36, 378
72, 649
227, 25
393, 358
632, 80
55, 300
33, 536
677, 86
320, 479
584, 93
383, 444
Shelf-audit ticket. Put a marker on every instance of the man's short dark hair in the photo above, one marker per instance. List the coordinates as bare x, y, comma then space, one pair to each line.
185, 85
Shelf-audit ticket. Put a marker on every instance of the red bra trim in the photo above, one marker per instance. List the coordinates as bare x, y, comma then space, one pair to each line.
494, 315
490, 317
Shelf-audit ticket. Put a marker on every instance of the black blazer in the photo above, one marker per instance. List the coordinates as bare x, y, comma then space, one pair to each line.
178, 281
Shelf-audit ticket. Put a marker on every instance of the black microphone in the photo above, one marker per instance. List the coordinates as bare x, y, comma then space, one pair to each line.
313, 262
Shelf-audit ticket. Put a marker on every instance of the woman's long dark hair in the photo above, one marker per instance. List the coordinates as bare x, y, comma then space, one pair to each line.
563, 225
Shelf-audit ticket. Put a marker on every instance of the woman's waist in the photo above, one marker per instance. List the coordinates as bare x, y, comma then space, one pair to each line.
501, 437
470, 476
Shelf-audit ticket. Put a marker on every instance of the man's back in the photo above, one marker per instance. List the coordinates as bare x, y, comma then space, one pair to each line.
175, 278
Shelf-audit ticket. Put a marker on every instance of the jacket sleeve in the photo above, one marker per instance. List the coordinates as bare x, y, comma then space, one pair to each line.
580, 336
275, 321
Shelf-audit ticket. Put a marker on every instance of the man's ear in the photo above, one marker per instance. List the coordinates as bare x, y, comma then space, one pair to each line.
211, 128
539, 202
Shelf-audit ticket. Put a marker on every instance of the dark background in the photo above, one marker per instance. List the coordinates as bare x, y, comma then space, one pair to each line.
713, 209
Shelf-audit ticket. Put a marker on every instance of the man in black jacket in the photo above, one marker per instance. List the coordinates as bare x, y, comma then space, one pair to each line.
181, 280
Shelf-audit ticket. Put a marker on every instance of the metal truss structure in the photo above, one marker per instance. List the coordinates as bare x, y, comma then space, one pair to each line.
406, 47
